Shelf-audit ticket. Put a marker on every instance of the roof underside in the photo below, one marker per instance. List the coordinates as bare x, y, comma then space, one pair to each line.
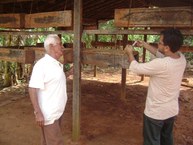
92, 9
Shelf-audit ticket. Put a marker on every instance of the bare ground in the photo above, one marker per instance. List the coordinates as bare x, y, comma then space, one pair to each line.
106, 119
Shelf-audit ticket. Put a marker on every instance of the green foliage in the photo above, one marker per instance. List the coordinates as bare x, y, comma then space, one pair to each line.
67, 38
66, 67
188, 40
109, 25
87, 39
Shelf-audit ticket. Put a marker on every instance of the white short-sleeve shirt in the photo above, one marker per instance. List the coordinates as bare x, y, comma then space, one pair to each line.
48, 77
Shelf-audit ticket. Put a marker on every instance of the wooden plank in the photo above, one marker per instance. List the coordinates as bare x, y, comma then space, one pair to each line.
109, 44
26, 32
17, 55
89, 24
186, 49
49, 19
90, 27
154, 17
39, 52
187, 31
100, 57
92, 56
12, 20
103, 44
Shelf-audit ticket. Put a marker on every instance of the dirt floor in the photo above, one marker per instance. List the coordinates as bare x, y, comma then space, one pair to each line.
106, 119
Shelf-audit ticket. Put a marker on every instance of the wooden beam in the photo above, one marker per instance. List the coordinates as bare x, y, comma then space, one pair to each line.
109, 44
49, 19
89, 22
77, 70
31, 32
90, 27
100, 57
39, 52
103, 44
154, 17
89, 56
17, 55
12, 20
188, 32
186, 49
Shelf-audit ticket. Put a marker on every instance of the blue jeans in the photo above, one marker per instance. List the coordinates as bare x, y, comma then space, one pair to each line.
158, 132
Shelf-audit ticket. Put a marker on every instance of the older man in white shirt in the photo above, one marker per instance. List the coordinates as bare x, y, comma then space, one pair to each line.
47, 89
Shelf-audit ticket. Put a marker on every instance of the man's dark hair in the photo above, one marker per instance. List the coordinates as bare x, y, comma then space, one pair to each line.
173, 38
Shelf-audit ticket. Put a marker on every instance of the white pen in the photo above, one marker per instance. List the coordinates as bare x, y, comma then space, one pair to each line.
134, 43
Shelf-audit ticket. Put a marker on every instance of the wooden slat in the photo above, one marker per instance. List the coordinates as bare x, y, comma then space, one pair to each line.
26, 32
17, 55
154, 17
96, 57
49, 19
100, 57
12, 20
186, 49
103, 44
39, 52
90, 27
109, 44
89, 56
187, 31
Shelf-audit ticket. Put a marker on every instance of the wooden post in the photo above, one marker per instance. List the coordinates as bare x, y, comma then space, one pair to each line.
77, 70
95, 67
124, 73
96, 40
144, 54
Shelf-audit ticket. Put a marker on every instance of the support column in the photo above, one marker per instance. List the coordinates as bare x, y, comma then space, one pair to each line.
124, 72
77, 70
96, 40
144, 54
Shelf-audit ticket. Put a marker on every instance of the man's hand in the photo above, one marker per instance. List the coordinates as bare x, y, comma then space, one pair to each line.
39, 118
140, 43
128, 49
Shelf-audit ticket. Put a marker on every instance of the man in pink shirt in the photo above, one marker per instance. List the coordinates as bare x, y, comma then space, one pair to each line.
165, 72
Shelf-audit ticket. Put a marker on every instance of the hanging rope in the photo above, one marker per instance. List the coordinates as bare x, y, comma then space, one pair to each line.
129, 15
65, 4
31, 7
